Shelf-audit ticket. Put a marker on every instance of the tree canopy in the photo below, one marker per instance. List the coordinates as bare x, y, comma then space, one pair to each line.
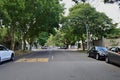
29, 18
84, 18
83, 15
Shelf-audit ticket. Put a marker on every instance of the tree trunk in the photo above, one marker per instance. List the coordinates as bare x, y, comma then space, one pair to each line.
24, 43
83, 46
12, 39
30, 47
31, 42
67, 46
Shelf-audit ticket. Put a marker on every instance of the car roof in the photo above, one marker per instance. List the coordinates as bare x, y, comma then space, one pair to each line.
1, 45
117, 46
100, 46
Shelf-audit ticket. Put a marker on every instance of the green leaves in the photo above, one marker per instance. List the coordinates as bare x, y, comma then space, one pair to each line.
42, 39
30, 17
84, 19
98, 23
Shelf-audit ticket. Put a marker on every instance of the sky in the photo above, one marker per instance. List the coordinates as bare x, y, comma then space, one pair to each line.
111, 10
68, 4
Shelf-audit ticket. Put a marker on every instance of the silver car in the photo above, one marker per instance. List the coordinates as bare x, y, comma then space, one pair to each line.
6, 54
113, 55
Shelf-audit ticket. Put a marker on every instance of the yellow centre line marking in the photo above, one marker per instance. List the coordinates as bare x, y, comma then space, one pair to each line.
33, 60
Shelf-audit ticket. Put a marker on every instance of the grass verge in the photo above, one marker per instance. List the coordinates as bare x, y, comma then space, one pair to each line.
21, 53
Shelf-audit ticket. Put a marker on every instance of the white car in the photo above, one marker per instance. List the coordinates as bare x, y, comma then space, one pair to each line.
6, 54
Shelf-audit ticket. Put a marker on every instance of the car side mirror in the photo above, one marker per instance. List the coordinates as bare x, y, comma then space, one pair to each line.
7, 49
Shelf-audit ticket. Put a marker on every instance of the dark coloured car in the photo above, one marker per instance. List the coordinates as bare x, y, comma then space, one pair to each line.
44, 47
98, 52
63, 47
113, 55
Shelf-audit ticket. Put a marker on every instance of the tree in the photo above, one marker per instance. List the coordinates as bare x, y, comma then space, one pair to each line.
51, 41
115, 33
29, 18
43, 37
64, 35
11, 13
46, 18
3, 32
57, 39
67, 29
84, 17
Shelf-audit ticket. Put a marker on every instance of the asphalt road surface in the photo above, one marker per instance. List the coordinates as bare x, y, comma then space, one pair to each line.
58, 65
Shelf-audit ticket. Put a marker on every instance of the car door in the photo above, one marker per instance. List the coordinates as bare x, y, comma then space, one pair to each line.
7, 53
114, 56
111, 54
4, 53
118, 59
1, 53
117, 56
93, 51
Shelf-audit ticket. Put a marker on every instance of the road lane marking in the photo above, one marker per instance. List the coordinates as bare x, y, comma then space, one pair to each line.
42, 60
33, 60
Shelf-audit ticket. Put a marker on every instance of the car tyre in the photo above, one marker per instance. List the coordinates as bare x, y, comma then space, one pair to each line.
97, 57
88, 54
12, 57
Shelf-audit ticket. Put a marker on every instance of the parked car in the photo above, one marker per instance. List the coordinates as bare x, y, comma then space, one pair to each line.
113, 55
97, 52
44, 47
6, 54
63, 47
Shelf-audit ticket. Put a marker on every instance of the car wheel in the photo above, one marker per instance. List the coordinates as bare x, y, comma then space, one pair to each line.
107, 60
12, 57
97, 56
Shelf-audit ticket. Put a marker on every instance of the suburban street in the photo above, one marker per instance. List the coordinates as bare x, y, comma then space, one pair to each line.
58, 65
55, 39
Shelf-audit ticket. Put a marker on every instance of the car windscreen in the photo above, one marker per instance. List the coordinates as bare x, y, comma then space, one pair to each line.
118, 49
103, 49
